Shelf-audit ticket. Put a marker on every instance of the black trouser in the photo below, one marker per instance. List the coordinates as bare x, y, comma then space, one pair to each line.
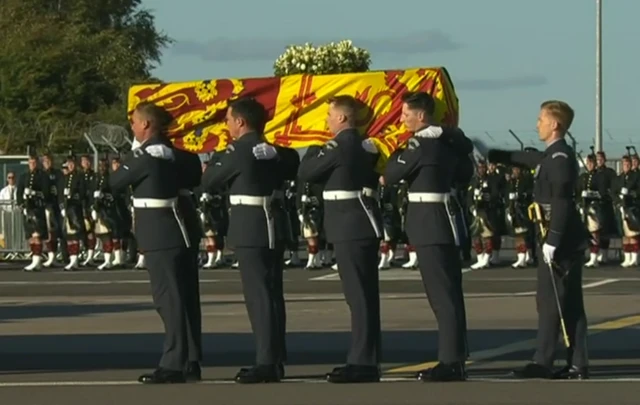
168, 290
441, 272
572, 303
358, 267
261, 274
192, 304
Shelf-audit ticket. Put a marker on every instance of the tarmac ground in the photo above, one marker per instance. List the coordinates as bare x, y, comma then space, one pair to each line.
85, 336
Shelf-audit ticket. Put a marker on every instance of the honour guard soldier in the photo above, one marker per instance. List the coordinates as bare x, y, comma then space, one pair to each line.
429, 164
310, 213
72, 201
559, 294
351, 227
89, 239
189, 176
626, 190
251, 185
54, 220
591, 187
485, 195
151, 170
32, 193
403, 204
104, 214
497, 179
288, 162
518, 198
214, 216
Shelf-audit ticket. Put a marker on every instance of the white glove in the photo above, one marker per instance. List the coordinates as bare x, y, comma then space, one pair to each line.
474, 212
370, 146
24, 212
624, 191
584, 194
63, 213
301, 218
547, 252
513, 196
97, 194
205, 197
264, 151
94, 215
135, 144
429, 132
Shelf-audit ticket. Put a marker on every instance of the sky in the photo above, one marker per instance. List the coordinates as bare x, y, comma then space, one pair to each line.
504, 56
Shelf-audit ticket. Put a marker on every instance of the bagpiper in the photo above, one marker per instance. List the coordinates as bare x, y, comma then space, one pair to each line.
518, 198
626, 190
31, 195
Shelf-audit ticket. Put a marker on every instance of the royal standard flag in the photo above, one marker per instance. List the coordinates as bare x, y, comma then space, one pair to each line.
297, 106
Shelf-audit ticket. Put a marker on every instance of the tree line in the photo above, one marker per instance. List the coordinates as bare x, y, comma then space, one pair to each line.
68, 64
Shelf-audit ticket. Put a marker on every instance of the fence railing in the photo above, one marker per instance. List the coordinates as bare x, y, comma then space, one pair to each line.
13, 241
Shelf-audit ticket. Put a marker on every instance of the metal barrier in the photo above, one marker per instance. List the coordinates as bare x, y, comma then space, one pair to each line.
13, 242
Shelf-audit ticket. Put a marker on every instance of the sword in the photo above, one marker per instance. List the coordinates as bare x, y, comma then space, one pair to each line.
535, 215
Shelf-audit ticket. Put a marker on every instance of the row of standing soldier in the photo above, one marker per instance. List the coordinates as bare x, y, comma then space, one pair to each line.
69, 208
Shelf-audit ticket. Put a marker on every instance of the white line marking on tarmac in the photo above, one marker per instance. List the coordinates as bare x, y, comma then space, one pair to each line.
584, 287
25, 384
332, 276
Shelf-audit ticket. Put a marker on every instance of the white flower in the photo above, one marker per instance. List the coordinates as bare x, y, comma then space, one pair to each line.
341, 57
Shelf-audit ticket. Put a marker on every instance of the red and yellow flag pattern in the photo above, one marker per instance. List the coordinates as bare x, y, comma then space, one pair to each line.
297, 106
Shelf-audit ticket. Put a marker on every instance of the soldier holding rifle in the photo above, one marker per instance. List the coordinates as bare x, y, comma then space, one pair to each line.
563, 239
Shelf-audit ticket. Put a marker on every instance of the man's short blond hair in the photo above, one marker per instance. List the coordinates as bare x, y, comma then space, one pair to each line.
345, 103
560, 111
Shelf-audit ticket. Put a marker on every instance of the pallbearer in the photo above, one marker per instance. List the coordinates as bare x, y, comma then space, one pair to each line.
429, 163
354, 232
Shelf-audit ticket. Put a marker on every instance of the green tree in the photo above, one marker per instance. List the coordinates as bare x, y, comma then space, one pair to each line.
68, 63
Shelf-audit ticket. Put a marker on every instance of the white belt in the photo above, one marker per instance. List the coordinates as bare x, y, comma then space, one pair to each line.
154, 202
368, 192
254, 200
341, 195
429, 197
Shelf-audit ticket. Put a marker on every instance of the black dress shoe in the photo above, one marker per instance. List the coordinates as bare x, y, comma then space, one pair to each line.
532, 371
354, 374
259, 374
572, 373
443, 372
163, 376
193, 371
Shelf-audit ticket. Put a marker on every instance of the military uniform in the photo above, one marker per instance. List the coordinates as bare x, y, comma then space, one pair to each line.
251, 186
592, 189
606, 178
430, 166
352, 228
310, 215
189, 175
293, 223
214, 216
388, 203
54, 219
161, 233
32, 192
626, 190
485, 198
105, 219
288, 161
555, 181
72, 201
89, 238
518, 196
